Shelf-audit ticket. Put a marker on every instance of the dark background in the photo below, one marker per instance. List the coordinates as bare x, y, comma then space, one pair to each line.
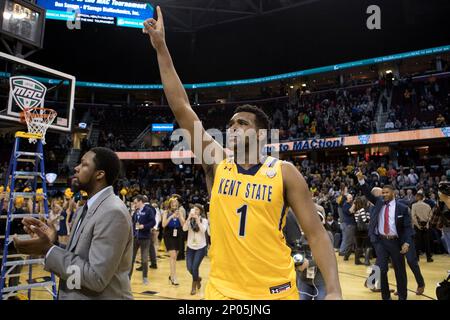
322, 33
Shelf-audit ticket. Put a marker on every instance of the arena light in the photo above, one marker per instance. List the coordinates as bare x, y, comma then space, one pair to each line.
292, 87
388, 71
51, 177
303, 84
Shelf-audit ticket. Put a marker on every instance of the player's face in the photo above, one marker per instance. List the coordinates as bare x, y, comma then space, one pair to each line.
241, 129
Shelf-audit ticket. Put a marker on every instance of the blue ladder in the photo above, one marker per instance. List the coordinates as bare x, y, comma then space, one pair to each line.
7, 266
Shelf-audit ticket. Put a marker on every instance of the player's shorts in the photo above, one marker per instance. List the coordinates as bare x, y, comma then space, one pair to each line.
211, 293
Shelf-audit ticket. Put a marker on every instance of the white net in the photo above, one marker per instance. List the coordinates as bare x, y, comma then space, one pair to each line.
38, 120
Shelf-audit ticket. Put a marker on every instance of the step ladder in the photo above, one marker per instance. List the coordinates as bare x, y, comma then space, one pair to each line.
11, 261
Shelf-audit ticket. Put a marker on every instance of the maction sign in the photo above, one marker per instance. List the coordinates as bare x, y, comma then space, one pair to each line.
306, 145
313, 144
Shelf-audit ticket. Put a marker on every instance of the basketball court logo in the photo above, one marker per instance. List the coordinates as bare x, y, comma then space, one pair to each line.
446, 132
364, 139
27, 92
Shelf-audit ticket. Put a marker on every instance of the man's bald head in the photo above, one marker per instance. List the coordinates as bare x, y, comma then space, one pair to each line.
376, 191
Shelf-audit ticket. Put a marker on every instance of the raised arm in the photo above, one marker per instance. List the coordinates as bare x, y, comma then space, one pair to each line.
299, 199
176, 95
166, 218
365, 188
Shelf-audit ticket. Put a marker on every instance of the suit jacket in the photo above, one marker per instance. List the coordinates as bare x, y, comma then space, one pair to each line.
101, 250
403, 222
147, 218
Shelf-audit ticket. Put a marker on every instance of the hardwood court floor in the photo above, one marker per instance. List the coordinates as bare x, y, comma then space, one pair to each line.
351, 277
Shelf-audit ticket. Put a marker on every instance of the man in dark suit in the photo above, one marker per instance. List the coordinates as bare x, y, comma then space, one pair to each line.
390, 231
144, 221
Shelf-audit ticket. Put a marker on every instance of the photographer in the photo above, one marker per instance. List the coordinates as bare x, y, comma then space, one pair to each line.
196, 225
310, 282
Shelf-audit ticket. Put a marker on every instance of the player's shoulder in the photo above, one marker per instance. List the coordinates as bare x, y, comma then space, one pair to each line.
287, 166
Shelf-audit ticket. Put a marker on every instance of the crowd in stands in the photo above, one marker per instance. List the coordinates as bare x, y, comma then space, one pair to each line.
329, 113
419, 104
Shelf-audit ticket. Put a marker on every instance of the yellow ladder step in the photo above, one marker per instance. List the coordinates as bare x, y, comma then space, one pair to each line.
21, 134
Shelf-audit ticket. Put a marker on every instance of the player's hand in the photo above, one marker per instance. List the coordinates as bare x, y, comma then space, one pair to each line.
155, 29
405, 248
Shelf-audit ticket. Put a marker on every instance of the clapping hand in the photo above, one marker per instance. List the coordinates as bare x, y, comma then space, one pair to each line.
43, 236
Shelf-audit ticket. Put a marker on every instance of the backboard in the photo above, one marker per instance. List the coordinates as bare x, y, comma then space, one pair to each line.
27, 84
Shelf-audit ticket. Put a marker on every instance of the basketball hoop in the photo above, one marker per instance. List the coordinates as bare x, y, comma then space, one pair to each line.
38, 120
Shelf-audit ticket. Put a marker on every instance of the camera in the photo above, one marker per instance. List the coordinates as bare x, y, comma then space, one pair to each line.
298, 253
299, 259
444, 187
194, 226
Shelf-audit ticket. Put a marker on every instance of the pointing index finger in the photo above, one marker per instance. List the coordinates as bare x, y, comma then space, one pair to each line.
160, 15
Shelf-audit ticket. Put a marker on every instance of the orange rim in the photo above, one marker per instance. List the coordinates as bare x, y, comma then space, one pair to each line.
47, 114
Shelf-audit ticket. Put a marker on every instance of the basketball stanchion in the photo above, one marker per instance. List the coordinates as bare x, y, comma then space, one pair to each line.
38, 120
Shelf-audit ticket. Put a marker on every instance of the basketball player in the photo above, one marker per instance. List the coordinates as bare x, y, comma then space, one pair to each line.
249, 201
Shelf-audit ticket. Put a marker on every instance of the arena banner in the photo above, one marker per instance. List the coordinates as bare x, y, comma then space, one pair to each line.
306, 145
311, 144
231, 83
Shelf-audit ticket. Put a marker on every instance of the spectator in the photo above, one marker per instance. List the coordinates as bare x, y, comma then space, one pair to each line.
412, 177
421, 215
389, 125
348, 233
143, 222
172, 223
196, 225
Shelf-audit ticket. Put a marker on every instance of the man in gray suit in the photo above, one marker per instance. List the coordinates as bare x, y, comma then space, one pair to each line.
100, 247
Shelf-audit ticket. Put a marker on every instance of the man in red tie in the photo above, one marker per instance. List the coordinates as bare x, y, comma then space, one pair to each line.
391, 233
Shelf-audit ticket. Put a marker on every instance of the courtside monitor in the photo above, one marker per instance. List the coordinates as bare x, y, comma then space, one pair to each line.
23, 21
24, 84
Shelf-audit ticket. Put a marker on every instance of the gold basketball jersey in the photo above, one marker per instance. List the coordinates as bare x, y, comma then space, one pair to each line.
249, 255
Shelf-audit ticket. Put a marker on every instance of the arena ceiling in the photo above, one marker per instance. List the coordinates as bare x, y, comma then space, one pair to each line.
194, 15
214, 40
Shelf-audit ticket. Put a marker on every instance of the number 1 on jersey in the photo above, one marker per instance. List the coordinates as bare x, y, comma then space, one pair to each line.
243, 212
